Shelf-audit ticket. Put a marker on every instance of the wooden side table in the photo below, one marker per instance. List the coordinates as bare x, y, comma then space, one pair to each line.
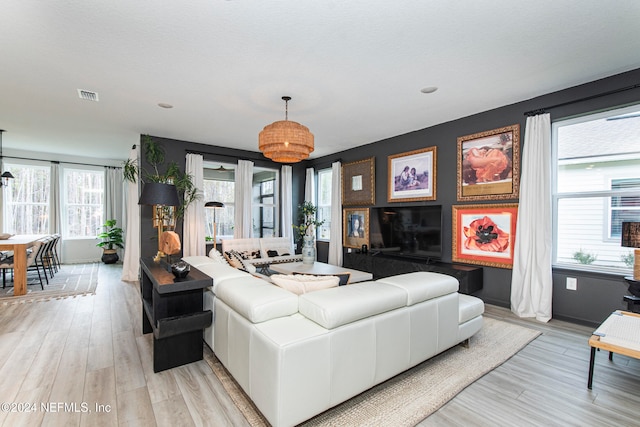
173, 310
620, 333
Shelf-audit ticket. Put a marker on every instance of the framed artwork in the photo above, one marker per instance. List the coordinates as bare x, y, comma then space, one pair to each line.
412, 175
484, 234
355, 227
489, 165
358, 183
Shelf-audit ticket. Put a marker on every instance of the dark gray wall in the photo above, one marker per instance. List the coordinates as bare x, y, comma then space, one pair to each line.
597, 294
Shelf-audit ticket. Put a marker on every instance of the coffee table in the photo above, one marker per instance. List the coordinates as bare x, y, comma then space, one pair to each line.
320, 268
620, 333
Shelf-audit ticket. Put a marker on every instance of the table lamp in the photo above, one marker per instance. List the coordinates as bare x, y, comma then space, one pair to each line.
631, 239
160, 195
215, 206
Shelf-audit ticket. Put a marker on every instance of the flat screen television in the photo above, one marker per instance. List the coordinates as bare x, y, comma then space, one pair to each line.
408, 231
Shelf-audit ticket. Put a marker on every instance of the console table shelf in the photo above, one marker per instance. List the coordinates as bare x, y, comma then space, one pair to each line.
470, 277
173, 310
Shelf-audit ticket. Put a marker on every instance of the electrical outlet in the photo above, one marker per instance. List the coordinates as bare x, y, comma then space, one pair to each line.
572, 283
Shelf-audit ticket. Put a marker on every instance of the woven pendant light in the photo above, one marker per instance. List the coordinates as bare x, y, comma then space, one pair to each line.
285, 141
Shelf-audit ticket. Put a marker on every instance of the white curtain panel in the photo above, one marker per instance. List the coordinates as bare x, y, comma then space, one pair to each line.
113, 189
531, 281
55, 222
131, 259
335, 236
193, 229
310, 186
242, 217
287, 202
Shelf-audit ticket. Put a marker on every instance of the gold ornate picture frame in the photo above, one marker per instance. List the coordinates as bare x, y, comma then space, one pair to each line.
489, 165
358, 183
355, 227
412, 175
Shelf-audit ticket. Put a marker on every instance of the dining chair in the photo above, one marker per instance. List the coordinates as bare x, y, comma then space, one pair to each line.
7, 264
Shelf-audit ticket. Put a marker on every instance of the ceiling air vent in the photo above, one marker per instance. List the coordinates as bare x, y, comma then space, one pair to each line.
88, 95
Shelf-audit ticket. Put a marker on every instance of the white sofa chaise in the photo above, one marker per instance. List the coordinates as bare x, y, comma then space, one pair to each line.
297, 356
265, 250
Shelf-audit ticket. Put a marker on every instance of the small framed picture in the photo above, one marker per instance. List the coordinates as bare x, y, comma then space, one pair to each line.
484, 234
488, 165
355, 228
358, 183
412, 175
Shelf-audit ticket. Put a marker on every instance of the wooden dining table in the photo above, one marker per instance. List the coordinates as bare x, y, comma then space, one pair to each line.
19, 245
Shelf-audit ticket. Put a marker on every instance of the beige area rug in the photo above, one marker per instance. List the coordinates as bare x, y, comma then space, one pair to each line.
70, 280
407, 398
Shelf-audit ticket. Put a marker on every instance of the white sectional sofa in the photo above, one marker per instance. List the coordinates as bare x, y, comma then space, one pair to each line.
265, 250
297, 356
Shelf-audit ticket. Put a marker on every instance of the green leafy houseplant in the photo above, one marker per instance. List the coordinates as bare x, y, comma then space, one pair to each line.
307, 218
155, 156
111, 239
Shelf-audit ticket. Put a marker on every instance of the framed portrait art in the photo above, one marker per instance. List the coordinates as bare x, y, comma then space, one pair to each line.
412, 175
355, 227
488, 165
484, 234
358, 183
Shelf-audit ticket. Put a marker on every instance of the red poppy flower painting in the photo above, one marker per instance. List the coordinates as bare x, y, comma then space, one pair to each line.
484, 234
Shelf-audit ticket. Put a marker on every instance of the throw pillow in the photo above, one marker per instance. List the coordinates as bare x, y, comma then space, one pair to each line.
249, 254
217, 256
302, 283
272, 253
234, 258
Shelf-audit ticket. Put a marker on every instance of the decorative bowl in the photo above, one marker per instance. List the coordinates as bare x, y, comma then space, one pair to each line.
180, 269
5, 236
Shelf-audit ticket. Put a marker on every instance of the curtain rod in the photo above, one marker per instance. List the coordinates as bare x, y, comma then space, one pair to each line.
59, 161
588, 98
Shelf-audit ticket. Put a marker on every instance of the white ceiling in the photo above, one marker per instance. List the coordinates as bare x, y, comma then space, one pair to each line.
353, 68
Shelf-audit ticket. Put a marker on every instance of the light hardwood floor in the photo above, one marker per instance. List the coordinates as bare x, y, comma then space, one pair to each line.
64, 354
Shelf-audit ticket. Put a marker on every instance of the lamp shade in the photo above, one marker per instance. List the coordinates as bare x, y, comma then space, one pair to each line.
155, 193
285, 141
7, 175
631, 234
214, 205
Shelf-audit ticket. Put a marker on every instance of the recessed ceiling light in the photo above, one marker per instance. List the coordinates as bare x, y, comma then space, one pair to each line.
164, 105
429, 89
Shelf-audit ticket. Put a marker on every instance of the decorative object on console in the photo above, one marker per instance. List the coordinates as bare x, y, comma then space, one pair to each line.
631, 239
180, 269
307, 231
285, 141
355, 228
160, 195
358, 183
215, 206
489, 164
412, 175
484, 234
6, 176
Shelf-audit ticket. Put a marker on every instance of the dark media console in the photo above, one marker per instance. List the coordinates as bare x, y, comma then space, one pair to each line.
380, 266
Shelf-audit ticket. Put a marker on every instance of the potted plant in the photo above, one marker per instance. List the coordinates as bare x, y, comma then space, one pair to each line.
111, 240
306, 231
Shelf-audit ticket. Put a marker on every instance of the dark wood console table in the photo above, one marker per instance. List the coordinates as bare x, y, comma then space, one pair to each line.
173, 310
470, 277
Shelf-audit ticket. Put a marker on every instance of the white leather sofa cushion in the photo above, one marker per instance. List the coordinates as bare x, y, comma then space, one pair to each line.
242, 246
219, 272
422, 285
469, 307
255, 299
335, 307
197, 261
282, 245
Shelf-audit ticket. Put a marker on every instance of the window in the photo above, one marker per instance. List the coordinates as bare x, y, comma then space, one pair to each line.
597, 187
83, 202
26, 200
219, 186
324, 203
264, 206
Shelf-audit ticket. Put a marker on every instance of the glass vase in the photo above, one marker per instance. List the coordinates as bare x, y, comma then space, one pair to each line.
308, 250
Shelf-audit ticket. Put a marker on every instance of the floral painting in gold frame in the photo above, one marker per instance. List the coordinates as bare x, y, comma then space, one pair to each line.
355, 227
358, 183
489, 165
484, 234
